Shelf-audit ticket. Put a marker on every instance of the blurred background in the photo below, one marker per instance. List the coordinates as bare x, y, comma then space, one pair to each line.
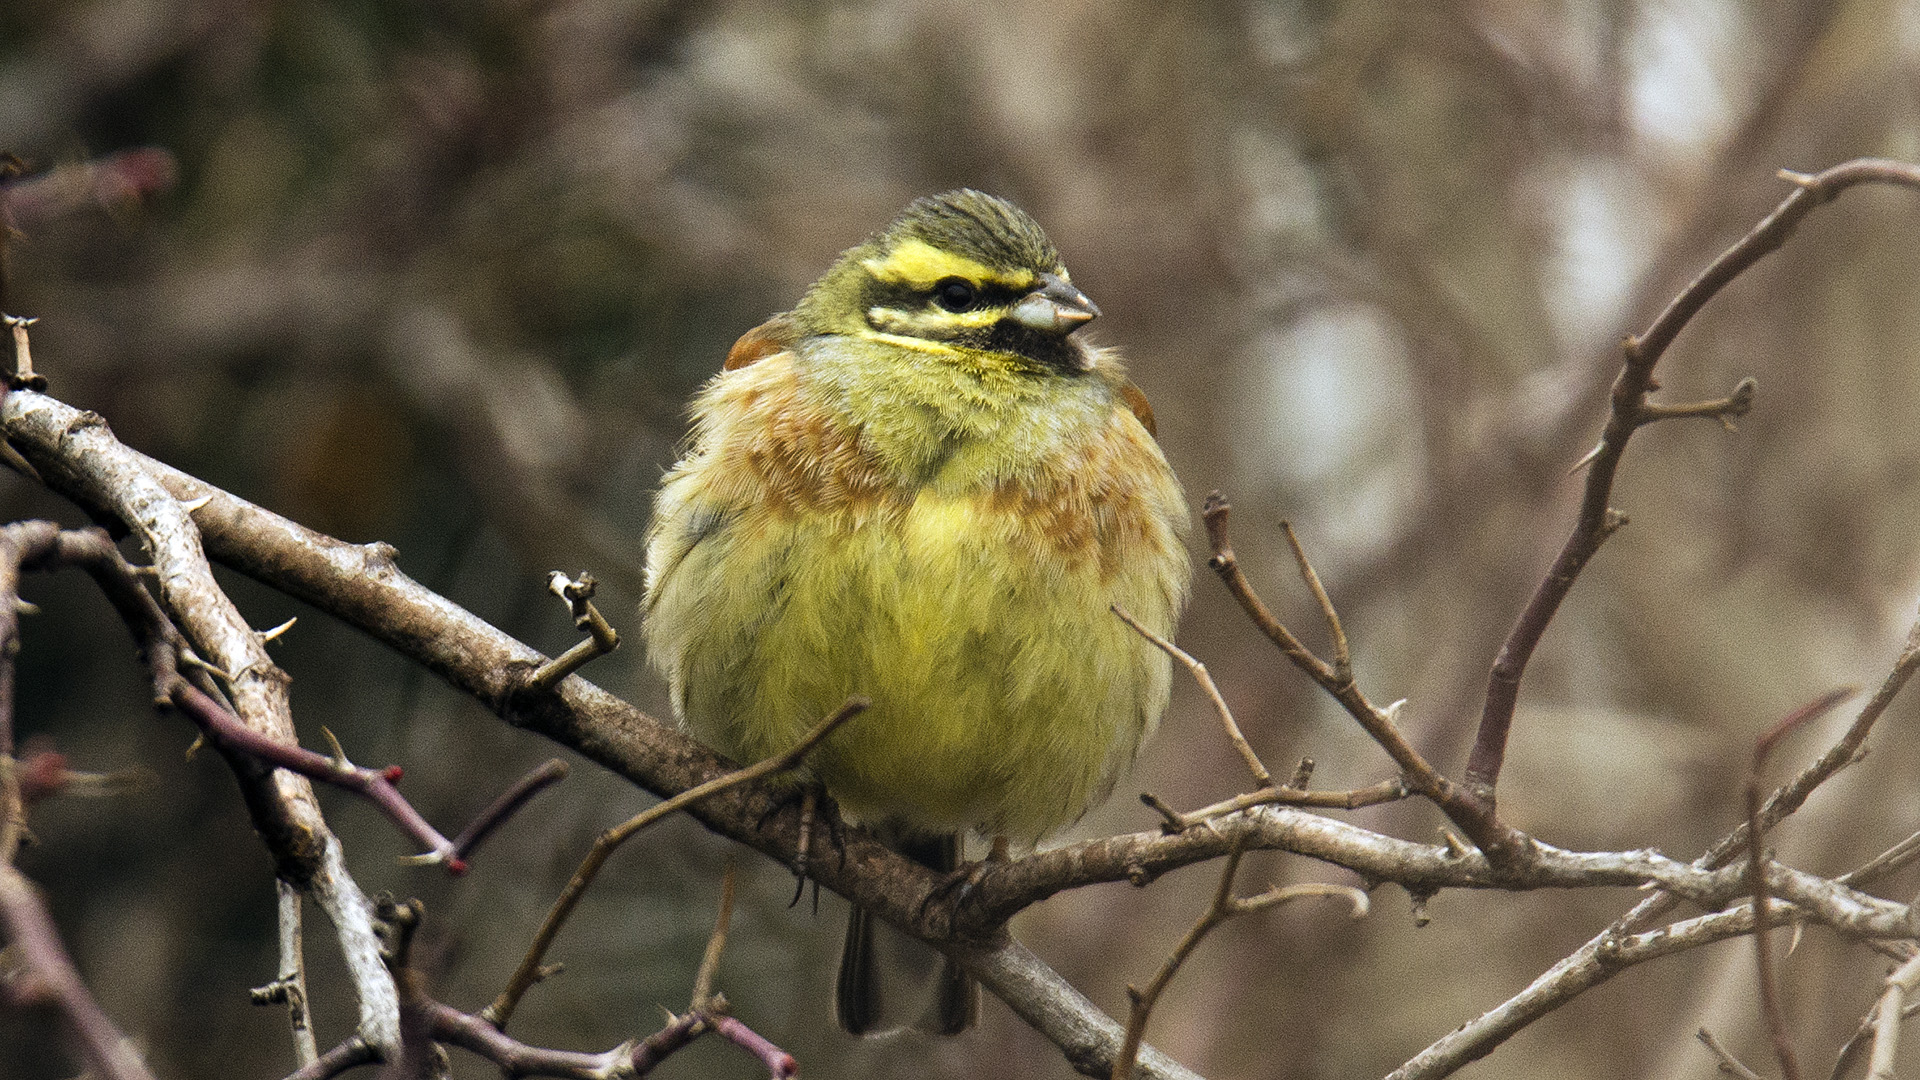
445, 274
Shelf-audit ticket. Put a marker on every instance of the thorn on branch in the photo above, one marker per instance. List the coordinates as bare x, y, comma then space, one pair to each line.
229, 732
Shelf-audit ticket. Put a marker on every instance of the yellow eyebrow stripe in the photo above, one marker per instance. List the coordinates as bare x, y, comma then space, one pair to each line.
918, 264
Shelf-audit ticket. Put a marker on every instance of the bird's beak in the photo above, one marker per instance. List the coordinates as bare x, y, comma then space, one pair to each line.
1054, 308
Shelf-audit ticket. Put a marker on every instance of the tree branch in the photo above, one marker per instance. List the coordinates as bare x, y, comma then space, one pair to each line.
1597, 520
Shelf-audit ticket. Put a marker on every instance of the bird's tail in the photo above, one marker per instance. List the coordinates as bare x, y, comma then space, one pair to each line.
858, 1001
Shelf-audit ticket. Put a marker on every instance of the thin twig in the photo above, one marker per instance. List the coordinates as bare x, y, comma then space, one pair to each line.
1342, 659
1884, 863
1474, 815
716, 944
1628, 410
601, 638
1729, 1064
1886, 1029
509, 803
1770, 1010
1198, 670
23, 377
528, 972
1604, 956
1737, 403
289, 986
29, 928
1224, 907
1385, 791
375, 785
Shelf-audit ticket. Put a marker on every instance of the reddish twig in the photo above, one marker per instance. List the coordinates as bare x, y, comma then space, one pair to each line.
30, 930
351, 1054
507, 805
375, 785
111, 180
1628, 411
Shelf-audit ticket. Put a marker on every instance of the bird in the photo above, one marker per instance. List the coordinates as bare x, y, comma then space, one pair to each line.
924, 487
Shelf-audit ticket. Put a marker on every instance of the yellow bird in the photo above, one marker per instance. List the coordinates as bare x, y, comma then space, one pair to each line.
922, 486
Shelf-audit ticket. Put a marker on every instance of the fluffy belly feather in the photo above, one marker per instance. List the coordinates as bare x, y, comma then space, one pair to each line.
1006, 695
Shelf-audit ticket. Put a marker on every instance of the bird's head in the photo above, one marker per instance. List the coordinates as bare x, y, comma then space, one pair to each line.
963, 272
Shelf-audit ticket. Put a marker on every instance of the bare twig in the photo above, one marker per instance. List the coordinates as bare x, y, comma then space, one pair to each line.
1770, 1011
1884, 863
374, 785
289, 986
1474, 815
508, 804
31, 930
716, 944
1225, 906
527, 974
1597, 520
1604, 956
80, 457
350, 1054
1729, 1064
601, 638
1342, 659
1737, 403
1199, 672
23, 376
1288, 795
1893, 1009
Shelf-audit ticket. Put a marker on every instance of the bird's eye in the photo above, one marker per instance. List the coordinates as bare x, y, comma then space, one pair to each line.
954, 294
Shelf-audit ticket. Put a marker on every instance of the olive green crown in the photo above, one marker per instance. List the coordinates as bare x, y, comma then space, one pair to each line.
982, 227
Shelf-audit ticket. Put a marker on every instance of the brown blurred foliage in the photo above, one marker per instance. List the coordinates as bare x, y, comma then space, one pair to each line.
444, 273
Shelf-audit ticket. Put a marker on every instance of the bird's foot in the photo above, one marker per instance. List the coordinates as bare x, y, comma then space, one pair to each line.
958, 884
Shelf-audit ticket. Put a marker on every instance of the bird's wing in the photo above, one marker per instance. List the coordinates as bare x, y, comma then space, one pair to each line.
777, 334
1129, 393
675, 538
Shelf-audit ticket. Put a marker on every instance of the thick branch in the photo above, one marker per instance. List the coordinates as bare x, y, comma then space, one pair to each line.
79, 456
362, 585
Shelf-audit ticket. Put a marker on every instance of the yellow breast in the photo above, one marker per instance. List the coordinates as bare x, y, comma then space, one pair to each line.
790, 566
